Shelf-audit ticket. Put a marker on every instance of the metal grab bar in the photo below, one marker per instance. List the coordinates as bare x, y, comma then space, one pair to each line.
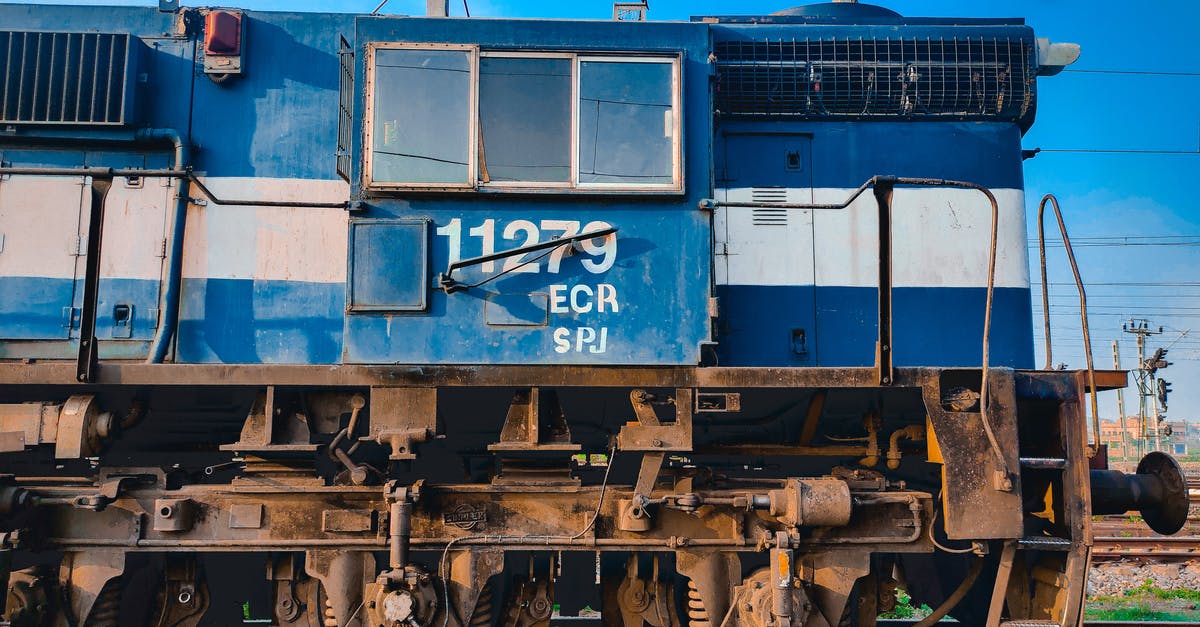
883, 187
1083, 315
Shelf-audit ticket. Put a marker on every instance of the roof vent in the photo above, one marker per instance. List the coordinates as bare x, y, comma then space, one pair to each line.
839, 8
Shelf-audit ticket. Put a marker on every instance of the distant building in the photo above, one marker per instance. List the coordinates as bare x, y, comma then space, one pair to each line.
1126, 442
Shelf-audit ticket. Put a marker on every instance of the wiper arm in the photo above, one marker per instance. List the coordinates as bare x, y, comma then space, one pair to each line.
449, 285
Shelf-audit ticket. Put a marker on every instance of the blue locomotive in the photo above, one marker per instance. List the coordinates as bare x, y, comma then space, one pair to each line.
430, 319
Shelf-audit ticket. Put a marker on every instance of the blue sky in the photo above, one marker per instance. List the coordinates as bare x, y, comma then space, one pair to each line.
1103, 195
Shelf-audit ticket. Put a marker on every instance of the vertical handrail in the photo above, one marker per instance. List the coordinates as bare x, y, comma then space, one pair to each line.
889, 182
1083, 314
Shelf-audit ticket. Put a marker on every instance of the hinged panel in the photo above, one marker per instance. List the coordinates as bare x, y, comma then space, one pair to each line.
388, 265
39, 216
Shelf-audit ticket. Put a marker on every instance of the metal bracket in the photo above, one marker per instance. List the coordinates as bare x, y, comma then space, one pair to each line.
651, 434
85, 363
271, 429
535, 422
402, 417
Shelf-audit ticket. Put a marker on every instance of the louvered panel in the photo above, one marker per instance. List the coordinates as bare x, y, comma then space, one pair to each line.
66, 78
979, 77
345, 107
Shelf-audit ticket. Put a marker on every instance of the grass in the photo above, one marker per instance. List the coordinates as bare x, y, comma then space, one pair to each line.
1145, 602
905, 609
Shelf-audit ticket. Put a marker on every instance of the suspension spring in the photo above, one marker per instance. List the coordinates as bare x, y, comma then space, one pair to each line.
106, 610
482, 616
330, 616
696, 611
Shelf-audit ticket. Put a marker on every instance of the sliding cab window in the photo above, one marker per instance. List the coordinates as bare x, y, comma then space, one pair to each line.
627, 122
508, 120
525, 120
420, 123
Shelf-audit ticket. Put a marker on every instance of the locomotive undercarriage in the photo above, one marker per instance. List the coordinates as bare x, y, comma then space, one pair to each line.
350, 495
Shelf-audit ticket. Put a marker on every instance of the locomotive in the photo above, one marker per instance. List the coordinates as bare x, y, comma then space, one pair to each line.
372, 320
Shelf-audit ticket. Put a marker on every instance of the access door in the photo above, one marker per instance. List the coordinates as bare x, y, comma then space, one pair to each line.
40, 242
763, 256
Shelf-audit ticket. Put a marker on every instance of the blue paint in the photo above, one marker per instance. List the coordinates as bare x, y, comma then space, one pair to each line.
662, 274
389, 265
932, 326
846, 154
654, 322
279, 120
243, 321
32, 308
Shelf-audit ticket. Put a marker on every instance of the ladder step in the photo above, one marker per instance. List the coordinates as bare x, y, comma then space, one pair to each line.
1044, 543
1030, 623
1044, 463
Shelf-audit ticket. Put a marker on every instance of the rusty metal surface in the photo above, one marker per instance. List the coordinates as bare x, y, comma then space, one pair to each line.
126, 373
299, 518
976, 500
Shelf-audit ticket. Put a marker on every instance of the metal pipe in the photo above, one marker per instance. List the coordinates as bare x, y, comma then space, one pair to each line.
955, 597
168, 304
238, 202
400, 530
1083, 312
92, 171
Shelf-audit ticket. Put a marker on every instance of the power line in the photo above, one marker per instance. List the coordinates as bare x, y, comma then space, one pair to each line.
1132, 72
1118, 151
1128, 283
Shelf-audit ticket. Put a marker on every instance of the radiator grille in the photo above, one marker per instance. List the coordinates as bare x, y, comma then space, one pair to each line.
982, 77
64, 78
345, 107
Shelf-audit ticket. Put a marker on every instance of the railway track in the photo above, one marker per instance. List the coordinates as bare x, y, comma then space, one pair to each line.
906, 622
1159, 548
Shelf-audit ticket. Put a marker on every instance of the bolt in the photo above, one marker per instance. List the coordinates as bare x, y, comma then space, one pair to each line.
657, 442
286, 604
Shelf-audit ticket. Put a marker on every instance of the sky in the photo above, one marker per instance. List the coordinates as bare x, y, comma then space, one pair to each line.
1131, 214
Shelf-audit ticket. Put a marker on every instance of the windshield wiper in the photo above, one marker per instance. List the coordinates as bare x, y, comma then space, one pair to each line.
449, 285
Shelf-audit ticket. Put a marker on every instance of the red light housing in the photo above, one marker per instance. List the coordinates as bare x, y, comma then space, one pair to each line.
223, 33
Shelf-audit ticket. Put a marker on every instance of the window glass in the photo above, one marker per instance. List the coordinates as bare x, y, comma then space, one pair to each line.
626, 122
524, 119
421, 130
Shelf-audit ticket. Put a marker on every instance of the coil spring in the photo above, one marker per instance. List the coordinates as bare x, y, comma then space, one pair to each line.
696, 611
106, 610
330, 617
482, 616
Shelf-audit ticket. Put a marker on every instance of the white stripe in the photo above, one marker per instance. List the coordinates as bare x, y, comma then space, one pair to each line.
268, 243
940, 238
135, 222
40, 226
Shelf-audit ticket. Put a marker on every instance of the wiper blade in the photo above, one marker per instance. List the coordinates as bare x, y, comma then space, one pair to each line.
450, 285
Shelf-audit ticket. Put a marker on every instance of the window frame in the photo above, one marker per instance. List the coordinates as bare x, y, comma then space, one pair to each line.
573, 186
574, 138
676, 183
369, 116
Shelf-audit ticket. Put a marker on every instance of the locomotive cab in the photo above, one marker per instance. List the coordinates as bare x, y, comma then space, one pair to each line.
347, 320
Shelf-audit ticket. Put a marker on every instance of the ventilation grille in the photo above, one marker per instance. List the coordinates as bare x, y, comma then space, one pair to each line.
983, 77
345, 108
65, 78
769, 216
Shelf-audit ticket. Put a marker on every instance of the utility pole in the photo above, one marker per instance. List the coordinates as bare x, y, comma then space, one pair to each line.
1121, 405
1145, 379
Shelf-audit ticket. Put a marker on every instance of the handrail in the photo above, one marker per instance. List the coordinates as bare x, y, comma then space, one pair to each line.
1083, 315
883, 363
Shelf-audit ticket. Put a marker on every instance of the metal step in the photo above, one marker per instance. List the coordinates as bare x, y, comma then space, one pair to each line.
1044, 543
1043, 463
1030, 623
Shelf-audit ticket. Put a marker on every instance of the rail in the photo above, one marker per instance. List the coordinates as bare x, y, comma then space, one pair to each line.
1083, 315
883, 186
